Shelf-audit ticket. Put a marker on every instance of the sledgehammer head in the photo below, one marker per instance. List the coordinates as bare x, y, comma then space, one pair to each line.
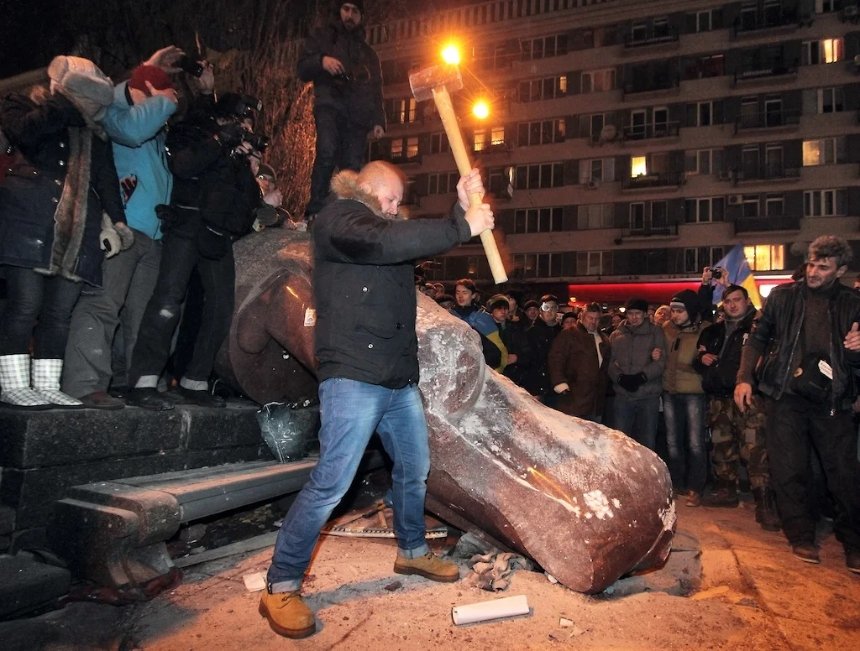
424, 81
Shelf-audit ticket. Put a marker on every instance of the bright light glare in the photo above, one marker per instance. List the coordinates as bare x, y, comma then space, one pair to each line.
481, 109
451, 54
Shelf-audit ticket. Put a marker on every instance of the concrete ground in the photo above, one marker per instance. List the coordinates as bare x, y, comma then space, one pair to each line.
745, 590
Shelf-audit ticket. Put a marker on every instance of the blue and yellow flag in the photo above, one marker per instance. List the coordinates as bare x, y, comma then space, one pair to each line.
739, 273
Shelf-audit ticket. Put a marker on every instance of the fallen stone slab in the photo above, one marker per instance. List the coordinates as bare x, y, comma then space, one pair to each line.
114, 533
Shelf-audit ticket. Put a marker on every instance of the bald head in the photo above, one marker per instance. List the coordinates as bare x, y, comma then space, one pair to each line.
385, 182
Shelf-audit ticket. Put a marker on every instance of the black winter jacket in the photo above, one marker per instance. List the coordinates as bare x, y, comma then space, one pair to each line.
210, 186
358, 94
719, 378
31, 191
777, 337
364, 287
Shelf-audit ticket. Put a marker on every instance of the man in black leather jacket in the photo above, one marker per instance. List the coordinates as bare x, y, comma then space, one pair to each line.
214, 200
348, 107
809, 339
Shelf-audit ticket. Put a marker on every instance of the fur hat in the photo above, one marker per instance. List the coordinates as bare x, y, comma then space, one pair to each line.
636, 304
688, 300
83, 83
152, 74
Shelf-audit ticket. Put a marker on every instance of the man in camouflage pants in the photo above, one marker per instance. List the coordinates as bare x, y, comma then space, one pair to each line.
735, 435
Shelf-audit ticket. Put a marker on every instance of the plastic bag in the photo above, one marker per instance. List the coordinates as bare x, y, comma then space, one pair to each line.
288, 427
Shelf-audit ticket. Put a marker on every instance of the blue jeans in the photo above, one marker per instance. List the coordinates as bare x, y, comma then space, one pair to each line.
637, 418
685, 440
350, 411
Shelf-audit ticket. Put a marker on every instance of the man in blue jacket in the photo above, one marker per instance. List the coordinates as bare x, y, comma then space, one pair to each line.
368, 371
135, 123
348, 107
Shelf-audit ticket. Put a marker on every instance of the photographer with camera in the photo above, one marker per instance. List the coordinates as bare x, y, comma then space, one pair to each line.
213, 203
348, 107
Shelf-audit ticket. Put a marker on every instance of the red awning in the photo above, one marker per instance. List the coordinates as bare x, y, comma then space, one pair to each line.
655, 293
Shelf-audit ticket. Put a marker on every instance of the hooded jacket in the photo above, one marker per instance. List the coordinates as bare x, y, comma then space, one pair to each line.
358, 94
34, 188
680, 376
138, 136
364, 286
630, 351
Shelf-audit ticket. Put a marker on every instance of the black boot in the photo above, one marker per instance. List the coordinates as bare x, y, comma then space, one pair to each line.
725, 495
765, 509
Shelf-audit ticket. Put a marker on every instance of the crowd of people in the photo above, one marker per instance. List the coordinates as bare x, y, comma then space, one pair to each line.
117, 231
728, 395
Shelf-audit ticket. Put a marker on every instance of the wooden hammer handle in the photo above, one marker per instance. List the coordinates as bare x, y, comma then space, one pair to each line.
464, 166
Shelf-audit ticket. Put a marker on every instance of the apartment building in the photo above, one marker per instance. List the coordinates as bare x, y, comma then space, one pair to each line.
635, 141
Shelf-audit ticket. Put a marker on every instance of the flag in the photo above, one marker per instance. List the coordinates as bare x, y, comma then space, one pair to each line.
736, 267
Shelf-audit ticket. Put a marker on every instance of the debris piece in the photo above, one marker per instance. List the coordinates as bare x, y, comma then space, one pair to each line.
551, 578
396, 585
255, 582
564, 622
492, 571
487, 610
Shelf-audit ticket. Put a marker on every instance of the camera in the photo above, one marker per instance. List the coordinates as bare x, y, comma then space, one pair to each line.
717, 272
257, 140
190, 66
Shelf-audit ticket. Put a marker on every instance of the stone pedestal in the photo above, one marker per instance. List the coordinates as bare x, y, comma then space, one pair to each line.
42, 454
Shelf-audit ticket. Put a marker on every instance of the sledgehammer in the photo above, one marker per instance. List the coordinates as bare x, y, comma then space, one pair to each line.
438, 82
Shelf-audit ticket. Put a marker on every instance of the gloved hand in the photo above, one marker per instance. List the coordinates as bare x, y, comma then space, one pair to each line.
109, 238
632, 382
230, 135
126, 235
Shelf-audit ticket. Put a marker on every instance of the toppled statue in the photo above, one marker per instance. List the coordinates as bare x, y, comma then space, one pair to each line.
585, 502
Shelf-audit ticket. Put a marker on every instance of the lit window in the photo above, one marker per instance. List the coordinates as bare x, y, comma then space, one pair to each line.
638, 166
831, 50
765, 257
819, 152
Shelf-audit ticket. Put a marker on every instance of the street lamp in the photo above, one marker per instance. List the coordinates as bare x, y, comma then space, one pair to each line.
481, 109
451, 54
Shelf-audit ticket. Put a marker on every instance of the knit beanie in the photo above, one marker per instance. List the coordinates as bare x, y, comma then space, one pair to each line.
497, 300
357, 3
636, 304
159, 79
688, 300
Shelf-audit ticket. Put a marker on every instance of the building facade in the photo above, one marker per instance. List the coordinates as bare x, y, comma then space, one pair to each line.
636, 142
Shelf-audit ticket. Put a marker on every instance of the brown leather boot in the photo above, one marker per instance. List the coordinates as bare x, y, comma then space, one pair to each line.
429, 566
288, 615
